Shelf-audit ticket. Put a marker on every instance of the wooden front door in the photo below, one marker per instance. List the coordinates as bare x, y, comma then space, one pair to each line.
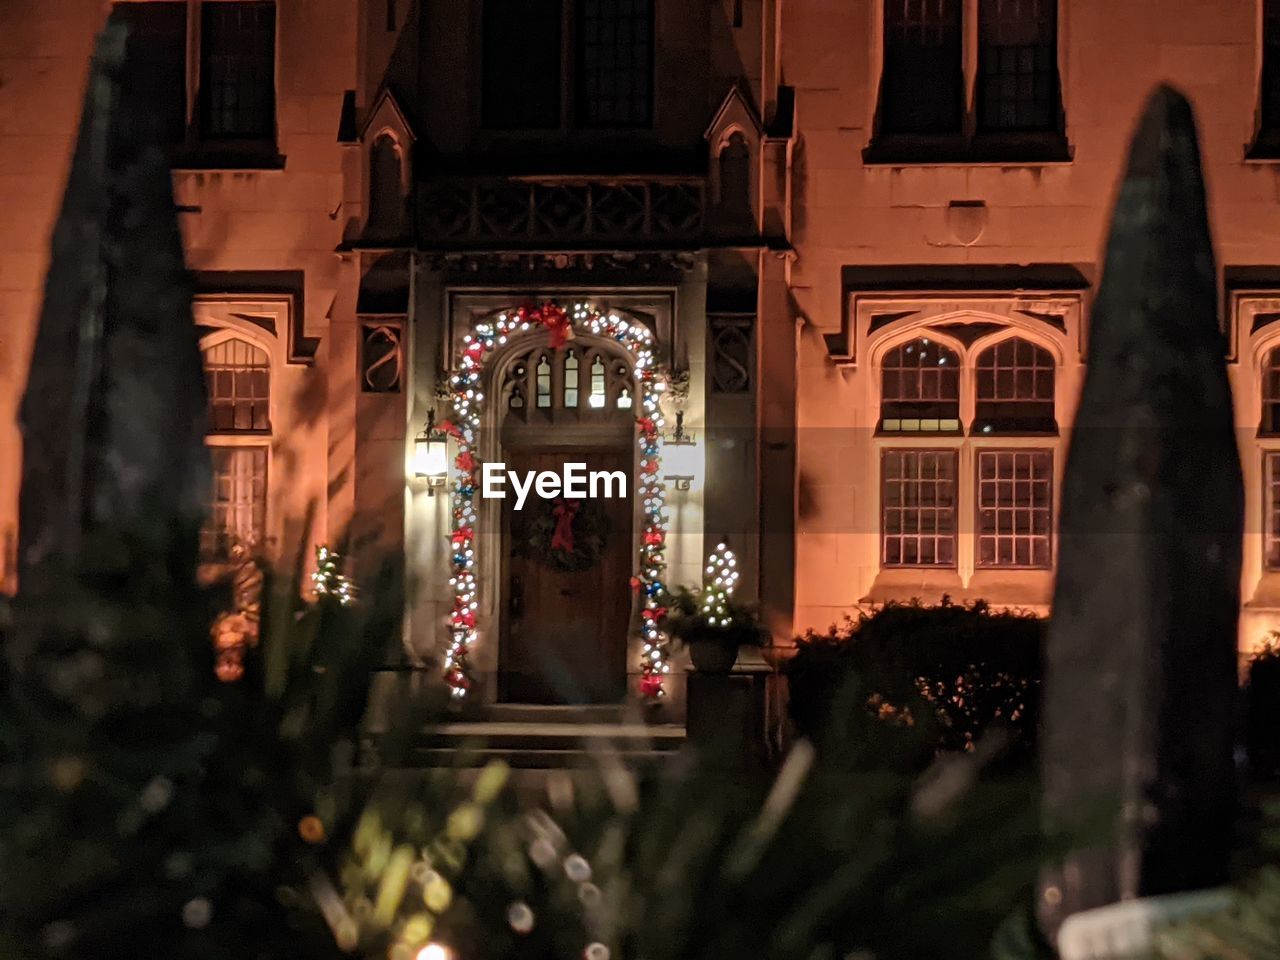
564, 626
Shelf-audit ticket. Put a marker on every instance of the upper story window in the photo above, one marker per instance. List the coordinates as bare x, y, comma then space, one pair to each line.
922, 88
522, 63
531, 73
1014, 389
1010, 62
614, 62
1267, 144
920, 389
223, 96
238, 375
237, 70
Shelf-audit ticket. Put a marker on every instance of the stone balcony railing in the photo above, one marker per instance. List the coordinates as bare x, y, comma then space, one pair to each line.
471, 213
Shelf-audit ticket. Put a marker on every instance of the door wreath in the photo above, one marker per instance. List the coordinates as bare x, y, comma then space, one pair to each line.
567, 535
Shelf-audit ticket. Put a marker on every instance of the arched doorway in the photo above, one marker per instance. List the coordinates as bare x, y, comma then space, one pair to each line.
565, 564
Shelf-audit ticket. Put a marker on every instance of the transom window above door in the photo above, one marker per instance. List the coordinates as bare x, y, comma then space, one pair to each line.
576, 382
549, 64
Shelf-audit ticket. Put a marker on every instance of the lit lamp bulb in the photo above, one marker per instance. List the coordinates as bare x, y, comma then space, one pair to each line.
431, 455
433, 951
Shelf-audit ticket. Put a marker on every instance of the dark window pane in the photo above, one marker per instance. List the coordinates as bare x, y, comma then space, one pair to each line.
615, 63
920, 388
157, 62
238, 71
1018, 65
239, 382
1271, 522
922, 90
1015, 389
1270, 65
1015, 507
1271, 394
522, 66
918, 514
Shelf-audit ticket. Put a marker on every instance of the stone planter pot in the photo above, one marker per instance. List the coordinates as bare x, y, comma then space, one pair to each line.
715, 651
712, 654
1125, 930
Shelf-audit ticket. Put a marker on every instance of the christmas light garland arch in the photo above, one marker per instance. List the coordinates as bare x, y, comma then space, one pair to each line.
467, 397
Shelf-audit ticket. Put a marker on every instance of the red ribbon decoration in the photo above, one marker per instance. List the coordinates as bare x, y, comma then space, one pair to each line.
651, 684
562, 537
465, 462
450, 428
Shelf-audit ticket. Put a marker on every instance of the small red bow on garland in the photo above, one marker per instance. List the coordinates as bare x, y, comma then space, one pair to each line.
653, 538
636, 584
450, 428
554, 318
562, 537
651, 684
462, 536
646, 424
657, 613
465, 618
465, 462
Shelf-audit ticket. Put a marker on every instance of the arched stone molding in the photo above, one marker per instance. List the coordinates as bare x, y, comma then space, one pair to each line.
1055, 319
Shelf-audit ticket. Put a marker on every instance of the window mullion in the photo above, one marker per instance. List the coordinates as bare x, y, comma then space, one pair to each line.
193, 65
969, 57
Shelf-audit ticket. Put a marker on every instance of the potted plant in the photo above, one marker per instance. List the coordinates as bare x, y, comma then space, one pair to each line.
708, 620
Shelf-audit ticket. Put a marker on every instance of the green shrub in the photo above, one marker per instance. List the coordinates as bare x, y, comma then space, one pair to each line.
959, 671
1262, 710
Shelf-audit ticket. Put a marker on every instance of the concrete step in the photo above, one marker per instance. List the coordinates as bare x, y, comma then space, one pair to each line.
540, 745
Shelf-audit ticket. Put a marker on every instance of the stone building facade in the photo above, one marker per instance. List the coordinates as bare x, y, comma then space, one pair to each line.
862, 238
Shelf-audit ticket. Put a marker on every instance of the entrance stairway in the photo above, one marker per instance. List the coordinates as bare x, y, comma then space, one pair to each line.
539, 738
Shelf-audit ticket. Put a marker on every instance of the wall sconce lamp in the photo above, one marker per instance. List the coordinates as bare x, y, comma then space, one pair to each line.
431, 455
679, 458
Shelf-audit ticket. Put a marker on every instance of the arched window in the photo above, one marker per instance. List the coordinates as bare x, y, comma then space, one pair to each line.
1015, 384
920, 392
1271, 394
735, 187
239, 379
386, 198
238, 375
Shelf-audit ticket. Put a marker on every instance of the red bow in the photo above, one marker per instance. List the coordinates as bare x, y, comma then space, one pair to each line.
646, 424
636, 584
465, 462
562, 537
450, 428
651, 684
653, 538
554, 318
462, 536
